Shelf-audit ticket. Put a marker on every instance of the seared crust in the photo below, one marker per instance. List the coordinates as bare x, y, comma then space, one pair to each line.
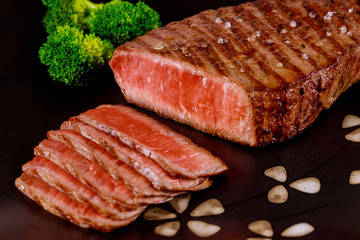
280, 114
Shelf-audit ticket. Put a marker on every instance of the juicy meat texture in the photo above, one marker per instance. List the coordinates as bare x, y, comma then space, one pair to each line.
146, 166
140, 185
172, 151
62, 205
64, 181
87, 174
256, 73
92, 174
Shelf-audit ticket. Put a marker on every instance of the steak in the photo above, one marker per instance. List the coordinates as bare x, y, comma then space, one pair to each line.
94, 171
146, 166
172, 151
92, 174
256, 73
57, 177
140, 185
61, 205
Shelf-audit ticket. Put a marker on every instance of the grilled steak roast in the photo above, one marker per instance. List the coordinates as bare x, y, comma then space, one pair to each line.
256, 73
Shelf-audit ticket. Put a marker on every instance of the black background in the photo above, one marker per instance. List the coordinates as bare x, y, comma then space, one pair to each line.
31, 104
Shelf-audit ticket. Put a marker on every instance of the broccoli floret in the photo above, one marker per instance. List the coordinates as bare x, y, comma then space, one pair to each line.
67, 12
120, 21
73, 57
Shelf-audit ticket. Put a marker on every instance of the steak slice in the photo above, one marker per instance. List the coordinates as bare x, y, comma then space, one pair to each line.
256, 73
140, 185
57, 177
92, 174
61, 205
172, 151
146, 166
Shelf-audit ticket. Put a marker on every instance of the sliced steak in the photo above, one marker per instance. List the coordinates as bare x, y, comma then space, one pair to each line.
172, 151
144, 165
92, 174
256, 73
62, 205
140, 185
57, 177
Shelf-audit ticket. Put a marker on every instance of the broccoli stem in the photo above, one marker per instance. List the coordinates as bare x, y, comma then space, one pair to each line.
91, 6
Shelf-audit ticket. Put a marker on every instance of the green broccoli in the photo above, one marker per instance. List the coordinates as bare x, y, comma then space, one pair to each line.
82, 35
67, 12
120, 21
72, 57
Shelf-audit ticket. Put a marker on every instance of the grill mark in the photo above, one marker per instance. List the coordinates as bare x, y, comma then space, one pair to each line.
243, 49
194, 57
319, 27
203, 61
213, 57
166, 47
333, 25
276, 37
303, 20
263, 65
290, 34
254, 24
339, 23
294, 51
248, 73
234, 43
353, 17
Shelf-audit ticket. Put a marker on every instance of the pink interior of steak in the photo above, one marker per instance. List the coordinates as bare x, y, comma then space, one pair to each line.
62, 205
174, 152
118, 169
177, 90
56, 177
144, 165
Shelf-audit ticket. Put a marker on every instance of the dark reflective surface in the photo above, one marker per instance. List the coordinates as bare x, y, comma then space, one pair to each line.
31, 105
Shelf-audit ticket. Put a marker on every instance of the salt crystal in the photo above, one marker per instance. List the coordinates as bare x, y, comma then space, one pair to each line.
220, 40
287, 42
293, 24
319, 43
305, 56
228, 25
343, 29
283, 31
251, 39
279, 65
349, 33
203, 45
185, 51
351, 10
230, 65
258, 33
218, 20
312, 15
328, 34
238, 19
175, 48
329, 15
158, 46
242, 70
269, 41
